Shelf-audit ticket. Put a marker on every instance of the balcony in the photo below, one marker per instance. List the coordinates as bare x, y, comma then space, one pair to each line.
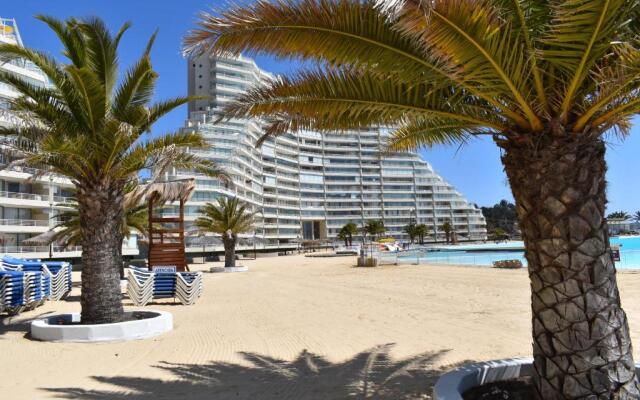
24, 225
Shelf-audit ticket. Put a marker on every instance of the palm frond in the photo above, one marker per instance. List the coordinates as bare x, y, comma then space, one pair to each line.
351, 99
430, 132
228, 214
580, 36
484, 49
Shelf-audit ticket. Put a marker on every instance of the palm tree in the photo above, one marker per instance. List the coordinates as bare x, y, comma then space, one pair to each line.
411, 230
374, 227
636, 216
619, 215
447, 229
229, 218
346, 233
136, 218
69, 228
421, 231
342, 234
88, 125
546, 80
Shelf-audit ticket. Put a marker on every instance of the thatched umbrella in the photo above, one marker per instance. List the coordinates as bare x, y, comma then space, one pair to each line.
162, 192
46, 238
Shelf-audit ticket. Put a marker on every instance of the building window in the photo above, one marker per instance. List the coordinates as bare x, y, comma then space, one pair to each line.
199, 76
200, 87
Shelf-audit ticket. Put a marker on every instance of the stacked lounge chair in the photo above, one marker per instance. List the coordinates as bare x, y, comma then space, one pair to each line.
140, 286
20, 290
56, 275
143, 286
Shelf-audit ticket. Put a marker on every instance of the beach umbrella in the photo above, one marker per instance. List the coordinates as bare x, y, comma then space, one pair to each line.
45, 238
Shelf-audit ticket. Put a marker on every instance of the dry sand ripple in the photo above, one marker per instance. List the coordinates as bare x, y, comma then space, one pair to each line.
295, 328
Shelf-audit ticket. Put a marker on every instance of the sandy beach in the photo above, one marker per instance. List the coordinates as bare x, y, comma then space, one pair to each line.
295, 328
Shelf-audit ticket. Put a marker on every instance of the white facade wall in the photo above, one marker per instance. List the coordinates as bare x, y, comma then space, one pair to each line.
331, 179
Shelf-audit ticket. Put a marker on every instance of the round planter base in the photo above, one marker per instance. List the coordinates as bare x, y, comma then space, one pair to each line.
239, 268
452, 385
66, 328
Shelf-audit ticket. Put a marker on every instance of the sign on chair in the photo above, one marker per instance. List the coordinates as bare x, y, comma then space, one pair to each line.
615, 252
164, 268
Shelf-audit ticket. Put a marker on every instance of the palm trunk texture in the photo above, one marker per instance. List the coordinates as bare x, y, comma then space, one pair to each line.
101, 212
229, 242
581, 343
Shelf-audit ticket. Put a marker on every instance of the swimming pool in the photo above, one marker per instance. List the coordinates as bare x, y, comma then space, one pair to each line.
482, 254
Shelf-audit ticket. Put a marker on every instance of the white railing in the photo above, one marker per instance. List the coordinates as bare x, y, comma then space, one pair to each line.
25, 222
23, 196
63, 199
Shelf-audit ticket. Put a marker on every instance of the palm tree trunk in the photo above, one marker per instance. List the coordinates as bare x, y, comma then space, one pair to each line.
229, 242
101, 211
581, 343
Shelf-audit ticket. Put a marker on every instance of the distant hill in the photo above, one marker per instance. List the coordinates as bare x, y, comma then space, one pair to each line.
501, 215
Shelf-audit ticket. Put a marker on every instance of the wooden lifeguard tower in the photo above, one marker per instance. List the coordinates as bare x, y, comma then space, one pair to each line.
166, 234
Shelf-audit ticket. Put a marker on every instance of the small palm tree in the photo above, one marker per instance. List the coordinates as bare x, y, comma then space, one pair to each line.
228, 218
342, 234
545, 80
88, 125
374, 227
619, 215
411, 230
421, 231
636, 216
447, 229
346, 233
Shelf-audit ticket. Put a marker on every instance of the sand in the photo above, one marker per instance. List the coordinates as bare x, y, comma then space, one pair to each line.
295, 328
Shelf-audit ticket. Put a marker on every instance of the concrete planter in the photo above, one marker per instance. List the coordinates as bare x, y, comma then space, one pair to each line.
367, 262
49, 329
239, 268
453, 384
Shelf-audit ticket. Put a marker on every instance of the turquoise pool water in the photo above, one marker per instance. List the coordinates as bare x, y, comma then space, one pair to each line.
481, 254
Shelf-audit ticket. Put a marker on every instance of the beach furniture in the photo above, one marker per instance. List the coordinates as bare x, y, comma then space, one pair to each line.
57, 275
508, 264
20, 290
140, 286
143, 286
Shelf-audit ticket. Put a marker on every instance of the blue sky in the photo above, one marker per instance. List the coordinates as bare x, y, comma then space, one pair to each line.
474, 169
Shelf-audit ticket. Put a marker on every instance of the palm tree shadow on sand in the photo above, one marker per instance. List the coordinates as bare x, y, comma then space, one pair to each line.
369, 375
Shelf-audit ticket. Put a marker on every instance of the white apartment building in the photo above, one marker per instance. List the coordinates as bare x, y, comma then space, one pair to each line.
308, 185
28, 205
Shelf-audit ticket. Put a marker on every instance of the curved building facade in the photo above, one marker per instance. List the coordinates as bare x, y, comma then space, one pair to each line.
308, 185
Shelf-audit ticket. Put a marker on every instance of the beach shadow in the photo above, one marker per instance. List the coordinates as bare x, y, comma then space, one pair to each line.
20, 323
370, 375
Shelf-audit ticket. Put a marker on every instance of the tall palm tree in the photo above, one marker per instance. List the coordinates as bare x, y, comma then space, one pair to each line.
88, 125
546, 80
411, 230
636, 216
421, 231
447, 229
347, 231
229, 218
